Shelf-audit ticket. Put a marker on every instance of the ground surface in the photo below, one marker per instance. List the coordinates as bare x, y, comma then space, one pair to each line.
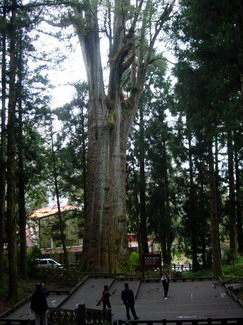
186, 300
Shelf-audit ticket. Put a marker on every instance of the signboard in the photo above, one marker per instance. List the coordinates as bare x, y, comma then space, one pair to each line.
151, 260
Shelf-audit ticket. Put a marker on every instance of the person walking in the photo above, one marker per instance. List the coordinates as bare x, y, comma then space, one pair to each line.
39, 304
106, 298
127, 297
165, 282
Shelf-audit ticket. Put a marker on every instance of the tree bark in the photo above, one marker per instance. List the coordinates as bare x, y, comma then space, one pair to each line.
11, 155
142, 187
232, 210
238, 202
192, 212
21, 177
3, 148
59, 214
217, 270
110, 119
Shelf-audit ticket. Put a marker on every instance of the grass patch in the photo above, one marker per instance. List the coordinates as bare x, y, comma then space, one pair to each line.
198, 274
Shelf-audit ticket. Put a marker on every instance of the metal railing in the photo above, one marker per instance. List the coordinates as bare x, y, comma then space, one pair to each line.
79, 316
202, 321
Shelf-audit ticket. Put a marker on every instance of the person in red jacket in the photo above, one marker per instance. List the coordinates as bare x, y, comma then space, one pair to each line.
106, 298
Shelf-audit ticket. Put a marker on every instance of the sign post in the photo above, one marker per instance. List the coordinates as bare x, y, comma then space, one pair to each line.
151, 260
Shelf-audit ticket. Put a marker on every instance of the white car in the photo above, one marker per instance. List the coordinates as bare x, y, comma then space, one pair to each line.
48, 262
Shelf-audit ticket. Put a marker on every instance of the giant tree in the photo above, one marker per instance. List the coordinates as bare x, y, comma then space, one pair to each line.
132, 28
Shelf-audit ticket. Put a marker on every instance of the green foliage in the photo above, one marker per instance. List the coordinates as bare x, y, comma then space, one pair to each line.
233, 269
134, 262
198, 274
32, 254
71, 146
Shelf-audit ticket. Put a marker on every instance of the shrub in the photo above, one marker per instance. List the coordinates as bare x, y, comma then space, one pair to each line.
134, 262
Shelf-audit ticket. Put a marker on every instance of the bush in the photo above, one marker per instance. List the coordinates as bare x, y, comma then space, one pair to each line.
197, 274
32, 254
233, 270
134, 262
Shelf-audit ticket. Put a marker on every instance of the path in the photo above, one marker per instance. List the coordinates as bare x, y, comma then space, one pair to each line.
186, 300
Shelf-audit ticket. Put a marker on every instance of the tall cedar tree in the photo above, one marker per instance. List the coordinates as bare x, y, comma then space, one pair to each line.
111, 114
11, 154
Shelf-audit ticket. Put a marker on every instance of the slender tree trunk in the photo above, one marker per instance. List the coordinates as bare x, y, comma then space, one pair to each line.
169, 237
240, 48
59, 214
192, 212
3, 148
11, 155
232, 211
21, 177
163, 228
238, 204
217, 270
142, 186
135, 203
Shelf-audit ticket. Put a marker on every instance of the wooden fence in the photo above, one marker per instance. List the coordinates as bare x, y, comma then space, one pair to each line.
62, 275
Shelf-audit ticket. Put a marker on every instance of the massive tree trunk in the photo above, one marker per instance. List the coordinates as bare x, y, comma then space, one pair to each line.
110, 117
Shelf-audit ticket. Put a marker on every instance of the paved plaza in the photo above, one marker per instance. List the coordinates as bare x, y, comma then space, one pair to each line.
186, 299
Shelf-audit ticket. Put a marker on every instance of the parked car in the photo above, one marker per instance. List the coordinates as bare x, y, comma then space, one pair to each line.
48, 262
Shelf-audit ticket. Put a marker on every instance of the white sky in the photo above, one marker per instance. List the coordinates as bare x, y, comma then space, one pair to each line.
64, 73
71, 71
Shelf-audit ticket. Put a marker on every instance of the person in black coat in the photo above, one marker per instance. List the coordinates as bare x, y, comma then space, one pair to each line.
127, 297
39, 304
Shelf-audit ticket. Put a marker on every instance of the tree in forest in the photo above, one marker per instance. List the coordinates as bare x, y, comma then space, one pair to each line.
161, 206
149, 200
210, 60
71, 146
11, 153
15, 26
132, 30
3, 142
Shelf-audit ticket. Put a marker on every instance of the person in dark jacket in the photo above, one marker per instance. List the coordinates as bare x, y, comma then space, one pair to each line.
39, 304
127, 297
106, 298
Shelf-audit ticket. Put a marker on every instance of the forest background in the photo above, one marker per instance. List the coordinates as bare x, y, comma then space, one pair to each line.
144, 148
